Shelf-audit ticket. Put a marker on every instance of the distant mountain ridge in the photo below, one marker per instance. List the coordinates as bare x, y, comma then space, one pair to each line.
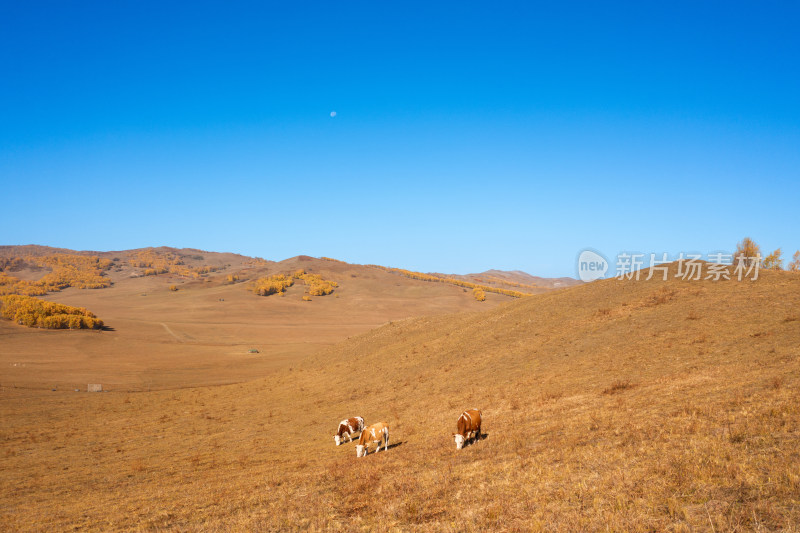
491, 277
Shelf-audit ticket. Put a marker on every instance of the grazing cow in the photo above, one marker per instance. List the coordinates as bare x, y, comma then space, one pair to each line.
469, 427
375, 433
347, 428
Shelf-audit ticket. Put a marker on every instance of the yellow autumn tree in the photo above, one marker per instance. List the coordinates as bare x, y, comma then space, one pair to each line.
747, 252
773, 261
794, 265
479, 294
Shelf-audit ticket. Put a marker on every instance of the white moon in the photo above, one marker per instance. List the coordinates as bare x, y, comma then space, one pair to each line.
333, 114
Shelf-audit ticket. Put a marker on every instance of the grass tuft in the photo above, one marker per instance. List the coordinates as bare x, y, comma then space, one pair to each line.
619, 386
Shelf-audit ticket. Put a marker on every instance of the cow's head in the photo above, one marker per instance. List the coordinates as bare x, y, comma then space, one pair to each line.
459, 438
338, 439
361, 450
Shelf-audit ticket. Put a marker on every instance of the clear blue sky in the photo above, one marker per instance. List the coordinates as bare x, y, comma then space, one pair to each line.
468, 135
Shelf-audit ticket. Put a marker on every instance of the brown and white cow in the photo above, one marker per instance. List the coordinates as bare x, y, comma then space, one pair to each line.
347, 428
469, 427
375, 433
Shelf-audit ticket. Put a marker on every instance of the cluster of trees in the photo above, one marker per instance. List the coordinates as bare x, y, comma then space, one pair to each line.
278, 283
11, 264
272, 284
452, 281
12, 285
155, 263
747, 252
496, 279
317, 285
37, 313
84, 264
257, 262
66, 270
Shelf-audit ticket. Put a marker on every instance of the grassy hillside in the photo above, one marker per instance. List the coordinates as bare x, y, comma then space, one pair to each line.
200, 333
622, 405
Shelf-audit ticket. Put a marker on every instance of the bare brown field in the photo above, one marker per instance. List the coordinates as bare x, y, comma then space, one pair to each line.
618, 405
202, 333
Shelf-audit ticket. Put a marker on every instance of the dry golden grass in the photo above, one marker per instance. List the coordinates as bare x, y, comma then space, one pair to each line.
201, 333
705, 440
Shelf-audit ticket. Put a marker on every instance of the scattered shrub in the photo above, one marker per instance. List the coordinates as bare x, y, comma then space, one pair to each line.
662, 296
619, 386
155, 263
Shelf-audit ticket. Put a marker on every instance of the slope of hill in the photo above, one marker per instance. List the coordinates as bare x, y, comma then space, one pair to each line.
203, 332
517, 276
625, 405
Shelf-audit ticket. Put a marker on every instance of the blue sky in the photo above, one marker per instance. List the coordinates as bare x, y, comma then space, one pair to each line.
468, 135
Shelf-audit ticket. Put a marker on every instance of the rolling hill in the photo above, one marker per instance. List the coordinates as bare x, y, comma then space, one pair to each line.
622, 405
203, 332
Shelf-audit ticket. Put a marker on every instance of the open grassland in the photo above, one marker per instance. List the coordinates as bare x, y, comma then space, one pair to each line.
617, 405
170, 330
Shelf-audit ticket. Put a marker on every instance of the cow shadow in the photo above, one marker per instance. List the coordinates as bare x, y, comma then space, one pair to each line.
483, 436
395, 445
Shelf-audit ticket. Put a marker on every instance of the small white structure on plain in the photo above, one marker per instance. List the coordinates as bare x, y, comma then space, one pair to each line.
94, 387
333, 114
